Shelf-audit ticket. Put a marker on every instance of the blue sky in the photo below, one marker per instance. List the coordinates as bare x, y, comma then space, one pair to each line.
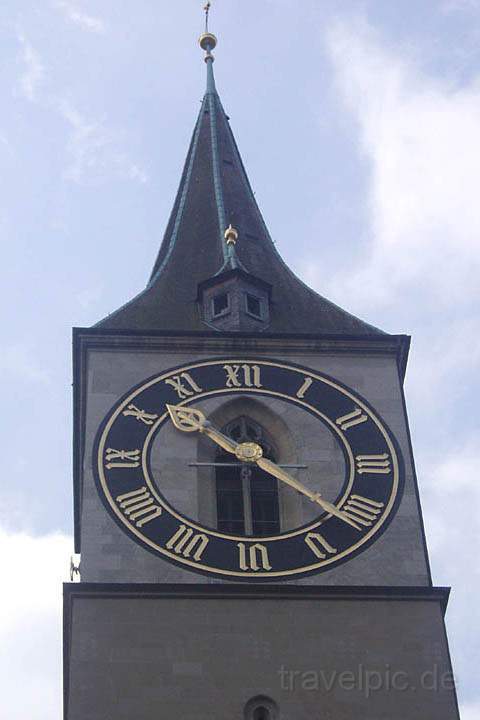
359, 126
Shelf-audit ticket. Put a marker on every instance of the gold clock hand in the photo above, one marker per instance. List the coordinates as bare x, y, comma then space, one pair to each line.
190, 419
280, 473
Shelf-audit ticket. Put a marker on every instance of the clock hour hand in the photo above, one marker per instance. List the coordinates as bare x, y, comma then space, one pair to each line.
190, 419
278, 472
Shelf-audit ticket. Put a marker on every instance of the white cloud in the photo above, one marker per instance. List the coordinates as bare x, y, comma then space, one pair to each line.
4, 142
470, 711
450, 494
80, 18
34, 70
438, 363
96, 150
18, 361
137, 173
450, 6
33, 570
450, 491
89, 297
419, 135
421, 138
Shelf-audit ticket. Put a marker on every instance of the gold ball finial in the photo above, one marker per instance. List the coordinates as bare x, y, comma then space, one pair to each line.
207, 41
231, 235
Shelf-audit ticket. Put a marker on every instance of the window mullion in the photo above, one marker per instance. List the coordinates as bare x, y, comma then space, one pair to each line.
246, 474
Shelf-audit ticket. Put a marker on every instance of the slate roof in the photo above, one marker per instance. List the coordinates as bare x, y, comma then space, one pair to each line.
215, 191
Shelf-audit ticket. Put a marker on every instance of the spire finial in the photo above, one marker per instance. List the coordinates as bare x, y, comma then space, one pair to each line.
231, 235
208, 42
207, 12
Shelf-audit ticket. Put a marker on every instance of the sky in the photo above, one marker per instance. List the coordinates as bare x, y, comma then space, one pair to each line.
359, 125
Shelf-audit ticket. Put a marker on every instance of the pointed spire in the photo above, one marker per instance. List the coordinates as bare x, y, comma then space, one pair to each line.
217, 241
208, 42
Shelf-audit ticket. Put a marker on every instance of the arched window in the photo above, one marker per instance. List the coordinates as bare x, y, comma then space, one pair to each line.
261, 708
247, 497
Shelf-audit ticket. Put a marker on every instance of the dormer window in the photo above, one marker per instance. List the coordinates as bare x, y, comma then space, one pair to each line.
254, 305
220, 304
234, 300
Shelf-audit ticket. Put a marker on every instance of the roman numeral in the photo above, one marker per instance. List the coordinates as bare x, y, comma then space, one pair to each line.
140, 415
139, 506
356, 417
319, 545
307, 382
122, 458
184, 385
255, 557
362, 510
242, 376
185, 542
377, 464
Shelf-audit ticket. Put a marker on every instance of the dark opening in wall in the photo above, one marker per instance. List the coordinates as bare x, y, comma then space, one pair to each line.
220, 304
261, 708
254, 306
261, 713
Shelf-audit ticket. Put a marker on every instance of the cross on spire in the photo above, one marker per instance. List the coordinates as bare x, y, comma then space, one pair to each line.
207, 12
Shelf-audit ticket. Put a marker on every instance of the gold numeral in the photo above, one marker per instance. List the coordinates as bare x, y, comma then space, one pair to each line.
185, 542
140, 415
356, 417
242, 376
139, 504
184, 385
319, 545
255, 557
122, 458
362, 509
301, 393
378, 464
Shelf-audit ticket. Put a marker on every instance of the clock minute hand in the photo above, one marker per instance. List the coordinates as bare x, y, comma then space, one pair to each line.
279, 473
273, 469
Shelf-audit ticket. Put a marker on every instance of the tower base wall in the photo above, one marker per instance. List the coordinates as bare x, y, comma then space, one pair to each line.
154, 652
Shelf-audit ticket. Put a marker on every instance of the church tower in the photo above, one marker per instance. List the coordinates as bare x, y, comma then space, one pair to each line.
246, 505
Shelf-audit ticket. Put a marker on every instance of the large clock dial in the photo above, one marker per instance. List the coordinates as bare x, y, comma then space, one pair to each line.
152, 491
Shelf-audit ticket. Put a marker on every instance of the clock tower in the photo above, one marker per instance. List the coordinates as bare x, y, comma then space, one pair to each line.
246, 506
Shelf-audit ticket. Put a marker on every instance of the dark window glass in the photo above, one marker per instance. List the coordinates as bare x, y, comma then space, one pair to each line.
247, 497
254, 305
230, 510
264, 501
261, 713
220, 304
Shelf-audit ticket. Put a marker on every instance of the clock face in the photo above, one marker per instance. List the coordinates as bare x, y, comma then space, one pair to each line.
189, 467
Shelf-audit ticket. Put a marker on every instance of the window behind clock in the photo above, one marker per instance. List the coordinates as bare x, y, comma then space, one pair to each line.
247, 497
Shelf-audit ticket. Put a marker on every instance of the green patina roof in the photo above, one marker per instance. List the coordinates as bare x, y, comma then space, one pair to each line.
215, 191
